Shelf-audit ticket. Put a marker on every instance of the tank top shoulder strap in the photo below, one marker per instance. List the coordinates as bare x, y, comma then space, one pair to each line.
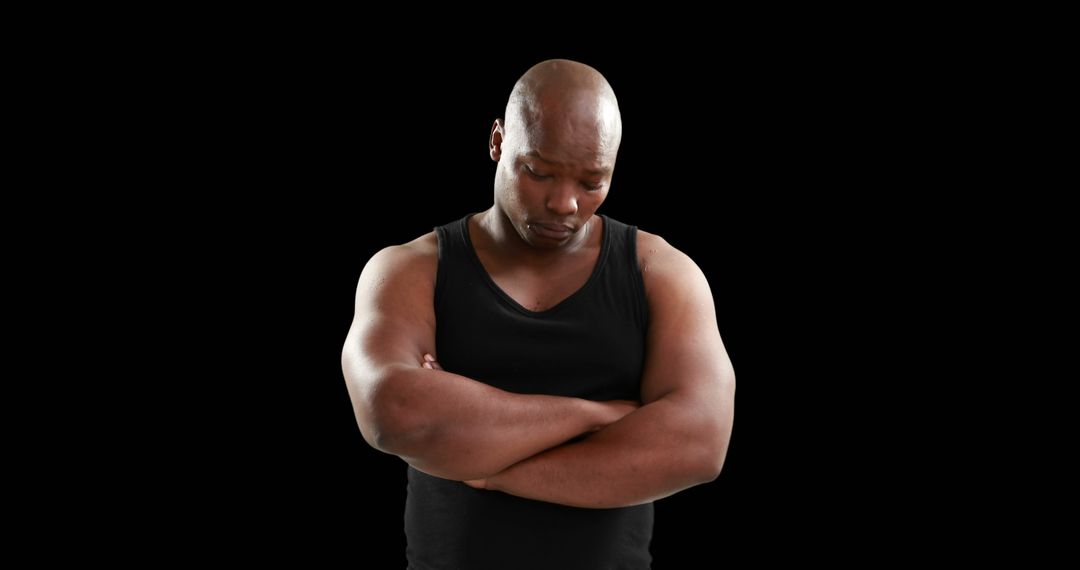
453, 253
623, 271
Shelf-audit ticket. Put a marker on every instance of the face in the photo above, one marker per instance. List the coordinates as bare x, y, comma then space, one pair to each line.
552, 177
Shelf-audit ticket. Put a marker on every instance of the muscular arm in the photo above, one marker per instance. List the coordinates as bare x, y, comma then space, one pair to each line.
679, 437
441, 423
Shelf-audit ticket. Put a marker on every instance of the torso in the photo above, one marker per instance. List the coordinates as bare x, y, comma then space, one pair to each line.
592, 347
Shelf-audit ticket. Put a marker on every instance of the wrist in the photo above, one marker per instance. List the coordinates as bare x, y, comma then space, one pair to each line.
596, 416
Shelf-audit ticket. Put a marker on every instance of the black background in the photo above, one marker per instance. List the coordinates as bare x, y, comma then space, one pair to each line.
770, 167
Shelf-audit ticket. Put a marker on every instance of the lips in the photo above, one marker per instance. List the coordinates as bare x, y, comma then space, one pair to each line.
553, 231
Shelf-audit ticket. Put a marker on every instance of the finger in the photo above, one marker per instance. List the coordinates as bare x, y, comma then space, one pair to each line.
430, 362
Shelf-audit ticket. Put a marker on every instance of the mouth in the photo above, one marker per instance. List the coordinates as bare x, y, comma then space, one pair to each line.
551, 231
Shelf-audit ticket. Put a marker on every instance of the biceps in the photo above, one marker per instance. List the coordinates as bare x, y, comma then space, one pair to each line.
380, 341
690, 358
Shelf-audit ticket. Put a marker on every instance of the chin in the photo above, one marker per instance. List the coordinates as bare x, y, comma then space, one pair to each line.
540, 242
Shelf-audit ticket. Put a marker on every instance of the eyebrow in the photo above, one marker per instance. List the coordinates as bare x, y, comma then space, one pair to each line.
590, 172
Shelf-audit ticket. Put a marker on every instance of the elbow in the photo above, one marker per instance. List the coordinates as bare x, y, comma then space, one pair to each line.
393, 433
387, 420
709, 464
712, 452
710, 471
397, 427
714, 447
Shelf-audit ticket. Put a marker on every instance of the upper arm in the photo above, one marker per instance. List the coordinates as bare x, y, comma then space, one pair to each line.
685, 358
394, 322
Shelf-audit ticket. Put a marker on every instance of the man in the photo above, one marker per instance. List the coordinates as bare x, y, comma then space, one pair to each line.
546, 372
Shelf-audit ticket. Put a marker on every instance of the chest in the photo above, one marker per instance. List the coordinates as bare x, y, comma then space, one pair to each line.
541, 288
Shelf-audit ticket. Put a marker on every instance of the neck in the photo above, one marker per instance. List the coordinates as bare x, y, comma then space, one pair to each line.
504, 237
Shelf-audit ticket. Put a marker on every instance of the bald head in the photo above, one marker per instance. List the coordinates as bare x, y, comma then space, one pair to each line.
565, 98
555, 149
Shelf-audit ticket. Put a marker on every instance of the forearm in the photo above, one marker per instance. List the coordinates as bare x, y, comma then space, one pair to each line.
652, 453
453, 427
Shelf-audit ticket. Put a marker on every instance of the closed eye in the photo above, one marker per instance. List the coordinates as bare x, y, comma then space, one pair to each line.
534, 174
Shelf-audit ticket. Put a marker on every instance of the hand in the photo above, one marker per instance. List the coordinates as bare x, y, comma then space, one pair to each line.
477, 483
430, 363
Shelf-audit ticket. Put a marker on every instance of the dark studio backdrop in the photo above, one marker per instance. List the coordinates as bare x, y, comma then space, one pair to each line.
741, 160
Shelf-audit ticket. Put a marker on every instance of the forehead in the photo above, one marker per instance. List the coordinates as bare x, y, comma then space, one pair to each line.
562, 143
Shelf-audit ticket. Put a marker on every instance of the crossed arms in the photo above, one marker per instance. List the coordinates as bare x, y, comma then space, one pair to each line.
457, 428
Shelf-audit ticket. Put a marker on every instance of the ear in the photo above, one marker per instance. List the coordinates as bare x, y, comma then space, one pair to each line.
496, 140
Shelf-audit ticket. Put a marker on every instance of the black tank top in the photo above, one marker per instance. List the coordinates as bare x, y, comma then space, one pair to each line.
591, 345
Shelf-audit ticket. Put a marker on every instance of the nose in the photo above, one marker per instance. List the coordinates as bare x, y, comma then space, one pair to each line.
562, 200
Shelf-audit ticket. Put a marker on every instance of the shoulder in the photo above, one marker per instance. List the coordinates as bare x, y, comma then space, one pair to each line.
423, 247
413, 263
666, 270
658, 258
